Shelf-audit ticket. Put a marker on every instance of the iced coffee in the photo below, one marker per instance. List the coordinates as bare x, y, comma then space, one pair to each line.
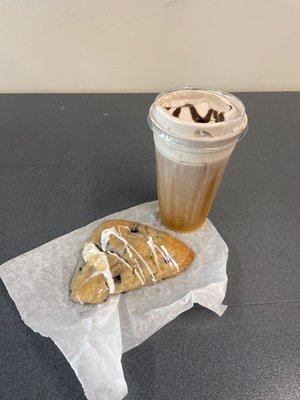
195, 131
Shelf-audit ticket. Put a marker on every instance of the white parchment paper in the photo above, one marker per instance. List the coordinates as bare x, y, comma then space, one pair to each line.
93, 337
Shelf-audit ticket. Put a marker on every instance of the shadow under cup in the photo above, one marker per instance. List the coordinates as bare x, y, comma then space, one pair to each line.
189, 172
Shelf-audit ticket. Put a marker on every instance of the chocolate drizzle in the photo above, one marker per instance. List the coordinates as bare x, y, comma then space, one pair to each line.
218, 117
176, 112
221, 117
215, 115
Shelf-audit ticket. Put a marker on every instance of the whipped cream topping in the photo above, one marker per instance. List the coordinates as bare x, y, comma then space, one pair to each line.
197, 114
198, 107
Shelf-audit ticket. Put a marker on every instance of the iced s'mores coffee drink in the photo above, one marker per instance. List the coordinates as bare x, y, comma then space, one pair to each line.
195, 131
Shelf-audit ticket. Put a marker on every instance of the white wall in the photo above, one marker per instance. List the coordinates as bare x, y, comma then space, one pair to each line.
148, 45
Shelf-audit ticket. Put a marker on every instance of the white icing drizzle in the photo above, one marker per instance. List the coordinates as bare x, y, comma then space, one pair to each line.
124, 227
107, 273
78, 298
99, 259
168, 257
129, 266
139, 277
86, 280
105, 235
164, 252
153, 246
96, 273
137, 264
140, 257
121, 259
146, 264
92, 254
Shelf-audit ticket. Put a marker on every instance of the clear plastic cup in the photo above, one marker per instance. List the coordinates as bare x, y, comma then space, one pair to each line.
191, 157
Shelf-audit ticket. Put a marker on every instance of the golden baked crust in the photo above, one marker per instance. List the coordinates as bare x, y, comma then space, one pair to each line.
137, 255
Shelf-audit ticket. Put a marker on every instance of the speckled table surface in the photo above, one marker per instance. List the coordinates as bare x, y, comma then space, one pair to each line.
66, 160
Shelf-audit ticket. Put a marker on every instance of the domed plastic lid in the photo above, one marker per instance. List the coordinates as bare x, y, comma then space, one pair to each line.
199, 115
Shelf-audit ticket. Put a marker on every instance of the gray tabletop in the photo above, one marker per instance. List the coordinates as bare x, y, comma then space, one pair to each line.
66, 160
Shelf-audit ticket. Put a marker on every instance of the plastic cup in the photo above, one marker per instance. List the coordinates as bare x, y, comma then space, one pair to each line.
191, 157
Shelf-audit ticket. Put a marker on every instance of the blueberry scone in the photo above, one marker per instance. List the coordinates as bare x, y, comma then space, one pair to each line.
124, 255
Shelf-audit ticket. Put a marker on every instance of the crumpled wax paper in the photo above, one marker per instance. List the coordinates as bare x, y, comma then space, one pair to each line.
93, 337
